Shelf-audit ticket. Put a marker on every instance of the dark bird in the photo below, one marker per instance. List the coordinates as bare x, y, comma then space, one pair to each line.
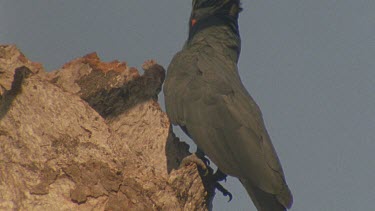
204, 95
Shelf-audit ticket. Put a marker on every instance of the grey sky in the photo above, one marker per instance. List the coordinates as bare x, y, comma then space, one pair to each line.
310, 65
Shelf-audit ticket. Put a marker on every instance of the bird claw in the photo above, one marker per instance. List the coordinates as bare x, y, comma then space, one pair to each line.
219, 176
224, 191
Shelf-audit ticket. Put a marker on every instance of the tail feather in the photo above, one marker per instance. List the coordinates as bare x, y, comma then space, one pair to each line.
264, 201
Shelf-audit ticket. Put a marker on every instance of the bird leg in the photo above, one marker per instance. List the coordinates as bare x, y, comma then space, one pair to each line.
200, 154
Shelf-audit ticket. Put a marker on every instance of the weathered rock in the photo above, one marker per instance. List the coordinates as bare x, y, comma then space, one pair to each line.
89, 136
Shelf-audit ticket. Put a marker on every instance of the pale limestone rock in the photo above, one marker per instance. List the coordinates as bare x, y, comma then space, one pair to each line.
90, 136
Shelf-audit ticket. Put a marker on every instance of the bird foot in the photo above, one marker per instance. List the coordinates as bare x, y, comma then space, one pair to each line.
220, 176
202, 163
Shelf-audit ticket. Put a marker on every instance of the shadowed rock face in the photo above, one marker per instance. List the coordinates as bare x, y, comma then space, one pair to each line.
90, 135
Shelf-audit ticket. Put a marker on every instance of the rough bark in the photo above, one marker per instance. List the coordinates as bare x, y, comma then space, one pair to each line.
90, 136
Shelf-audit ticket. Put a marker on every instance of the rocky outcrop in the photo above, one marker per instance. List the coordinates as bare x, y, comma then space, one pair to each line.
90, 136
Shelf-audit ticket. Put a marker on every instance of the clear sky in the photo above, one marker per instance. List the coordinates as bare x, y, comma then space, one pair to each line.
310, 65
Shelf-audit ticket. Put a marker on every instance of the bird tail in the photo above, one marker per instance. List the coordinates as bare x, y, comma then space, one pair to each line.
264, 201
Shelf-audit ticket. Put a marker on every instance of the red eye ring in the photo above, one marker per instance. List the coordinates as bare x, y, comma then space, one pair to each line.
193, 22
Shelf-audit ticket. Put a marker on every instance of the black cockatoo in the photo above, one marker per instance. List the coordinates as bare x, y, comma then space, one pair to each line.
204, 95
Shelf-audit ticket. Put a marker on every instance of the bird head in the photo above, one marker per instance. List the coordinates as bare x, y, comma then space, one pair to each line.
208, 13
203, 9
